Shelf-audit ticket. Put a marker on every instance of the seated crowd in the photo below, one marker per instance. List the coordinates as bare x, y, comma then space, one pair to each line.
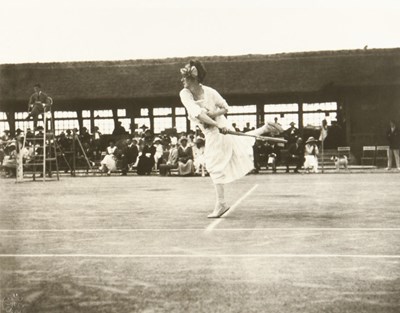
145, 153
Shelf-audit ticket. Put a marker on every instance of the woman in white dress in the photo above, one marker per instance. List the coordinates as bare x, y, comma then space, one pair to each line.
227, 157
311, 155
199, 160
109, 163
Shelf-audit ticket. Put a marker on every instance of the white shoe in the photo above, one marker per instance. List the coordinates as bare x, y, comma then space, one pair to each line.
388, 168
219, 210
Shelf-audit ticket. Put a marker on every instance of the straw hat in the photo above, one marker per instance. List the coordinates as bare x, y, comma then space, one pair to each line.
311, 139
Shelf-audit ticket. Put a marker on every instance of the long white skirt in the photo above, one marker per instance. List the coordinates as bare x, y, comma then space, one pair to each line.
227, 157
110, 162
311, 163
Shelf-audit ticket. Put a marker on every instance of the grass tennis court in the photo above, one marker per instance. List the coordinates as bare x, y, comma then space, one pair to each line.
291, 243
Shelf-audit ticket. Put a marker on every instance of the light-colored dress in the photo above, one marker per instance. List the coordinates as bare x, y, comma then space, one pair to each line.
310, 158
109, 160
199, 159
227, 157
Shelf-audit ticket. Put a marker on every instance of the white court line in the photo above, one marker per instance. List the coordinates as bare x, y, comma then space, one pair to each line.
217, 221
67, 230
119, 256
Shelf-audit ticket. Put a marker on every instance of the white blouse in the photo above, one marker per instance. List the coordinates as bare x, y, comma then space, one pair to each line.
211, 101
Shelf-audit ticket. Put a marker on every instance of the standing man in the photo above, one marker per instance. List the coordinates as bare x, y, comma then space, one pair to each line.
393, 136
39, 103
292, 133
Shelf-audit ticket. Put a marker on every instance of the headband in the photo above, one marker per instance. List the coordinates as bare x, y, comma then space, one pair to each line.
189, 71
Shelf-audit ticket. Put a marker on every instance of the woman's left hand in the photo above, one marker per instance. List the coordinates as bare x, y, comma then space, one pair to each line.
224, 130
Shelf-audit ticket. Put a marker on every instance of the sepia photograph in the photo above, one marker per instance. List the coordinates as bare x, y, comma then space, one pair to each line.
199, 156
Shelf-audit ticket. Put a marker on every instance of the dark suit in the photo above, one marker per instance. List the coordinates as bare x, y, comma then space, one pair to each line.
129, 156
291, 135
146, 163
393, 138
296, 156
38, 103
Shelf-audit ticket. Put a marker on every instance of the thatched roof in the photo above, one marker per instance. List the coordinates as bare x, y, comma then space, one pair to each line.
244, 75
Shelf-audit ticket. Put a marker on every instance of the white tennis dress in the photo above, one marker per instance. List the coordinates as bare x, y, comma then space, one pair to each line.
227, 157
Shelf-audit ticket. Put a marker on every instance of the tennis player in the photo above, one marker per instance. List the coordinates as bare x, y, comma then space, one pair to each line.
227, 157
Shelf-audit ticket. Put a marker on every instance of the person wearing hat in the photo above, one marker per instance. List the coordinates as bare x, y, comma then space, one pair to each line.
119, 129
84, 135
198, 156
146, 159
228, 157
172, 161
185, 158
39, 102
291, 134
311, 155
6, 135
39, 133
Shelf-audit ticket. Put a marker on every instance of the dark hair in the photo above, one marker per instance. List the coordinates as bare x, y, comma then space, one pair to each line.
200, 69
37, 85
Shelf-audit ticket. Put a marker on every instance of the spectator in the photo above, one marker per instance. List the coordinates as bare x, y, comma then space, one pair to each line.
84, 136
259, 155
334, 137
119, 129
273, 155
96, 136
198, 156
129, 156
311, 155
39, 103
185, 158
235, 127
291, 134
109, 163
172, 161
29, 135
159, 152
63, 142
246, 128
295, 155
39, 134
393, 137
69, 135
6, 135
2, 153
146, 159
